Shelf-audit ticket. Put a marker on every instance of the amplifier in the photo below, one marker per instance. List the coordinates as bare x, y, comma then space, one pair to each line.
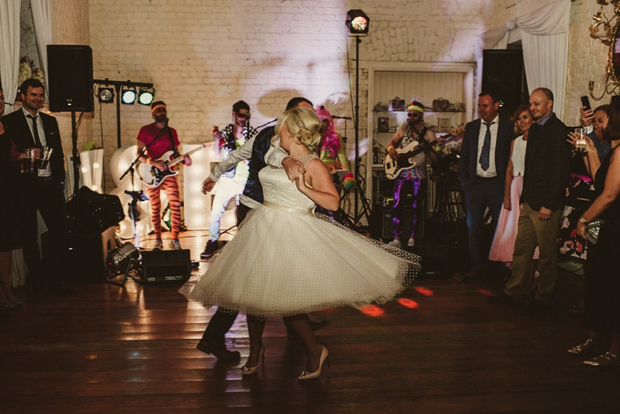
166, 265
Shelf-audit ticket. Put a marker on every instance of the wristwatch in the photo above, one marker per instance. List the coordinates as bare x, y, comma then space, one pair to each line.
583, 220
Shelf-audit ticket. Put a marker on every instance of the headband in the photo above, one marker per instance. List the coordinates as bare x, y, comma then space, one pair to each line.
413, 107
156, 107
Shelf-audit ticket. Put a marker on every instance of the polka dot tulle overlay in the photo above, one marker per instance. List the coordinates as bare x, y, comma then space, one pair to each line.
284, 260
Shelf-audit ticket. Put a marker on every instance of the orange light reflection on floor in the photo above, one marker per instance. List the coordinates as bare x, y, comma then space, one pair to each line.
408, 303
485, 292
372, 310
424, 291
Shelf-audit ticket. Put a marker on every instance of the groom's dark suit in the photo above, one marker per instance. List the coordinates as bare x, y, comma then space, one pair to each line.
481, 193
43, 194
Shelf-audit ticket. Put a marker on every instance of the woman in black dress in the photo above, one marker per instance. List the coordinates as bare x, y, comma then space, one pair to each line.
602, 290
7, 233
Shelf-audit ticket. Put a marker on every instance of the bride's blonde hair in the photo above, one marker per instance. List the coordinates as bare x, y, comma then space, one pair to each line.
303, 124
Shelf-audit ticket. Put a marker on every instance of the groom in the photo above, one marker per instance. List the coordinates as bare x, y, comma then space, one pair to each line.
255, 149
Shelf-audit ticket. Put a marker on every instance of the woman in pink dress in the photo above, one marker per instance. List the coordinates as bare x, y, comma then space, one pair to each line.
506, 233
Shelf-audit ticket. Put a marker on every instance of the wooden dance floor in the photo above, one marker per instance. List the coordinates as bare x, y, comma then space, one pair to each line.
440, 348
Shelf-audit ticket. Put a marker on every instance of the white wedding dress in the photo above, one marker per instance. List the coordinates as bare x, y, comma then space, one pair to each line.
285, 261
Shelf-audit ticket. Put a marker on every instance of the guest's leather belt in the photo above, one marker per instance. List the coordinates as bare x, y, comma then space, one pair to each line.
486, 178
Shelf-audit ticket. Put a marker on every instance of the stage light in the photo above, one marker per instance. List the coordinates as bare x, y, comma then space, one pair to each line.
146, 95
105, 95
121, 260
357, 22
128, 95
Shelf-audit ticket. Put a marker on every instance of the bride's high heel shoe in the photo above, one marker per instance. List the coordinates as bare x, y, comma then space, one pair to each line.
305, 375
247, 370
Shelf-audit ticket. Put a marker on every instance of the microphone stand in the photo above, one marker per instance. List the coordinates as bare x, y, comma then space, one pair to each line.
137, 195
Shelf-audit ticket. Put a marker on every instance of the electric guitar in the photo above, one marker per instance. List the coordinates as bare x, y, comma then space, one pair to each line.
153, 176
393, 168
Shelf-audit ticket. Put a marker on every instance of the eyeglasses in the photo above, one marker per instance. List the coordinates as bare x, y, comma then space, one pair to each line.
411, 114
245, 116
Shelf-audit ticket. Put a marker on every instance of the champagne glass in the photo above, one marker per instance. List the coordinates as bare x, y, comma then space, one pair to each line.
580, 142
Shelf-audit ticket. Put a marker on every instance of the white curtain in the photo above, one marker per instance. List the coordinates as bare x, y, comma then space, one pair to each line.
42, 17
10, 11
545, 48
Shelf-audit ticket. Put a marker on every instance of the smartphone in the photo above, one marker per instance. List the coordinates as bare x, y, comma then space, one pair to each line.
585, 101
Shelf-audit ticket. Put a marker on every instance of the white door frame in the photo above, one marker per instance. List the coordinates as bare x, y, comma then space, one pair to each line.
468, 91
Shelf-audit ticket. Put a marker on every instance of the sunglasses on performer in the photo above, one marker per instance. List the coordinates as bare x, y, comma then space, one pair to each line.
245, 116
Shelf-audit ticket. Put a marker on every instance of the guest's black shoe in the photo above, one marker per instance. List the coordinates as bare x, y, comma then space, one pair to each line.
210, 249
503, 299
220, 353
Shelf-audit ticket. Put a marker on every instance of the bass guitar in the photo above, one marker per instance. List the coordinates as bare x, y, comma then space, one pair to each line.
153, 176
393, 167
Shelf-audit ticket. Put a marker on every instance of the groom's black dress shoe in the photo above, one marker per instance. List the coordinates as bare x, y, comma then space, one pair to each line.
220, 353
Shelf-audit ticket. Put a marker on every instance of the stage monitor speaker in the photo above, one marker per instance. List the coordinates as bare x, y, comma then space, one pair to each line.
70, 76
166, 265
87, 254
503, 74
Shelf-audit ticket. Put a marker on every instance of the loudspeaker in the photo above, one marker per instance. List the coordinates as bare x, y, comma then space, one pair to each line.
166, 265
70, 75
502, 73
87, 254
387, 223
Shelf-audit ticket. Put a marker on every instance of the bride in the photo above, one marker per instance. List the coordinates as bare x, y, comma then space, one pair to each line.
287, 261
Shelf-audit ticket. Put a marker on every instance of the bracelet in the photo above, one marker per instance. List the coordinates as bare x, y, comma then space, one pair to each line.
390, 146
583, 220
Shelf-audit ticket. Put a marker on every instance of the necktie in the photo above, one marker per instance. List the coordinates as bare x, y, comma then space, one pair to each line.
485, 154
35, 131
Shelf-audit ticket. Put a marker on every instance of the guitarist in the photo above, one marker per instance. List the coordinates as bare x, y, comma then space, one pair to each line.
159, 138
408, 132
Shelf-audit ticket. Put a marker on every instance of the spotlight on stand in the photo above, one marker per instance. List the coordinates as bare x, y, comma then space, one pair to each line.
128, 95
122, 260
105, 95
357, 22
146, 95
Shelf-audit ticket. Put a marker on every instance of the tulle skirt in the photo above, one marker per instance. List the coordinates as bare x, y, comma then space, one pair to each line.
506, 232
287, 261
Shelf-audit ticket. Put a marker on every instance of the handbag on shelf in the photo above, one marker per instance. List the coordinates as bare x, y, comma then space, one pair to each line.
397, 104
592, 230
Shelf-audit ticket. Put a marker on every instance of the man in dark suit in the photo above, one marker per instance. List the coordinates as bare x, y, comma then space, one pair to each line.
546, 174
42, 188
482, 168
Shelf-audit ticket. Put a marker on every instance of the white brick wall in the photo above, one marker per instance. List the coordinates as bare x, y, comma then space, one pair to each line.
203, 55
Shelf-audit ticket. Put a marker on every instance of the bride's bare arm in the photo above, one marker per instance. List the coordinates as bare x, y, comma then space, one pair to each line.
322, 190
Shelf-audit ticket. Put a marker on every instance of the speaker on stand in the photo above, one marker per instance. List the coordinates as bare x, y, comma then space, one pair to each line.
70, 77
504, 75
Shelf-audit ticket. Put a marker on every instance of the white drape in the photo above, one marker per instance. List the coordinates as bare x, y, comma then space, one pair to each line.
42, 18
10, 11
545, 48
